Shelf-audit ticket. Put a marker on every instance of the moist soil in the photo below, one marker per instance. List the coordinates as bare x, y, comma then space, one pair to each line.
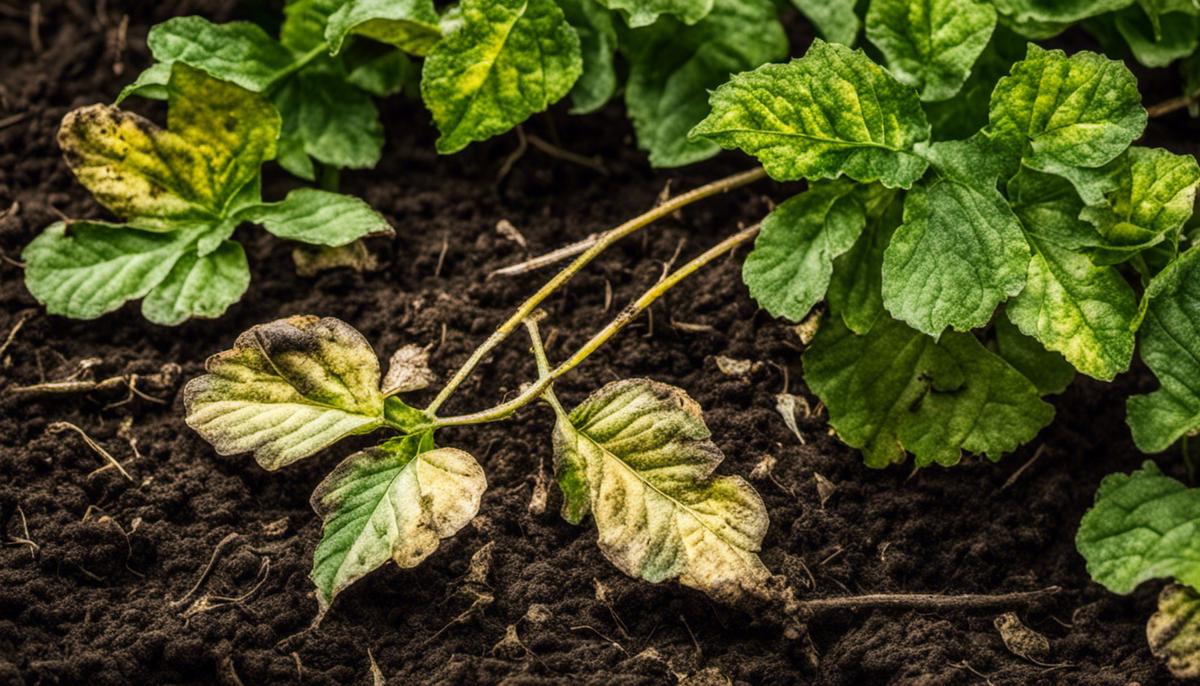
102, 578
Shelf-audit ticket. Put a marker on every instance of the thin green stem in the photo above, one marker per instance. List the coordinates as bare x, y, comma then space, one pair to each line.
623, 319
605, 241
543, 366
296, 66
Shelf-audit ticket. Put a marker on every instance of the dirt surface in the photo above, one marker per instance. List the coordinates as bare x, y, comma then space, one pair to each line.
99, 593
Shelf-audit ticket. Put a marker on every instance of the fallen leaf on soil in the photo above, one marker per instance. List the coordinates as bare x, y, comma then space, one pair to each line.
786, 404
1020, 639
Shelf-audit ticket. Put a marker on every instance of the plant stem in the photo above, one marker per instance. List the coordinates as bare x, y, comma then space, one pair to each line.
296, 66
626, 316
605, 241
543, 366
1168, 106
926, 601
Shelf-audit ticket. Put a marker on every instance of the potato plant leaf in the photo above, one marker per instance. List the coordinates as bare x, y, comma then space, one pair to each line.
1170, 347
1057, 11
960, 251
834, 19
931, 45
329, 119
411, 25
896, 390
640, 13
507, 60
1048, 370
286, 390
790, 267
597, 83
1174, 631
1144, 525
1153, 194
1077, 111
395, 501
182, 192
856, 286
674, 66
238, 52
637, 455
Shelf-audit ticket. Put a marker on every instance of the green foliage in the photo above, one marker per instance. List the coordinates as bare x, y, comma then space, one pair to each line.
834, 19
181, 192
1025, 226
645, 12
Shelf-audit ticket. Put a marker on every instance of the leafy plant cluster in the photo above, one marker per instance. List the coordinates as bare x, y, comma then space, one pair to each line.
487, 65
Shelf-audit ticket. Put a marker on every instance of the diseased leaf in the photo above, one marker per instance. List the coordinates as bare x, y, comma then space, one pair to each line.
960, 251
411, 25
507, 60
789, 269
931, 45
1086, 312
1077, 111
1143, 526
331, 120
637, 455
238, 51
286, 390
834, 19
896, 390
597, 42
639, 13
408, 370
832, 112
199, 286
1174, 631
1048, 370
1170, 347
218, 136
1154, 194
395, 501
318, 217
85, 269
673, 67
856, 287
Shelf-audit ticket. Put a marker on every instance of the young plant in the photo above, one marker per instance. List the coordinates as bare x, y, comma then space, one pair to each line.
636, 454
488, 66
181, 192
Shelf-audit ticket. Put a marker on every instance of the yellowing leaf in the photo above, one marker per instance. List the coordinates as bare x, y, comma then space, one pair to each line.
411, 25
832, 112
507, 60
286, 390
1174, 631
637, 455
394, 501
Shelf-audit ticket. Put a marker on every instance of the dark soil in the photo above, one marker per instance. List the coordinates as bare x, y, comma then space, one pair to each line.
97, 600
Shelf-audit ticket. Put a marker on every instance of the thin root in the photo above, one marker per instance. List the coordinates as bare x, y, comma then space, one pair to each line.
212, 561
24, 539
59, 427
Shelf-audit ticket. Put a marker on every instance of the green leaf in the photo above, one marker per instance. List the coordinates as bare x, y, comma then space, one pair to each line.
304, 23
1062, 11
832, 112
856, 288
835, 19
411, 25
336, 122
637, 455
507, 60
1077, 111
238, 52
395, 501
318, 217
1174, 631
1176, 36
960, 251
962, 116
1170, 347
151, 83
383, 75
286, 390
931, 44
85, 269
1086, 312
896, 390
199, 286
673, 68
1143, 526
1049, 371
1155, 192
640, 13
597, 42
789, 269
218, 136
